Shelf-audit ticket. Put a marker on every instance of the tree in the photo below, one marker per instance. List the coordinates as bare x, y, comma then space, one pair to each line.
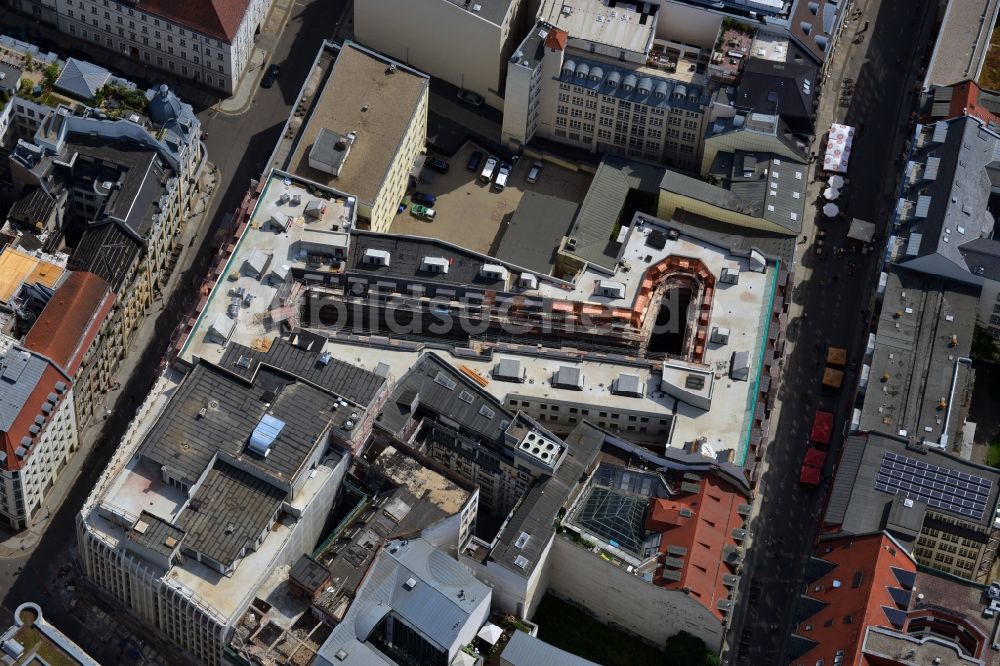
984, 347
51, 74
689, 650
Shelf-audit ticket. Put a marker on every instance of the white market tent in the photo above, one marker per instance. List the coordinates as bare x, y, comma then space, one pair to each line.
838, 148
831, 194
836, 182
831, 210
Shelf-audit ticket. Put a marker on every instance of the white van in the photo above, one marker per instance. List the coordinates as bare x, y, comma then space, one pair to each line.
501, 181
487, 174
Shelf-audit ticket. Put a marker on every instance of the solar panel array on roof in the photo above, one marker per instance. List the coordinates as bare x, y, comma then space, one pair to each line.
940, 487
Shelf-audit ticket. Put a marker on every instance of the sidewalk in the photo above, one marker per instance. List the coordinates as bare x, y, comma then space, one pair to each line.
241, 99
21, 544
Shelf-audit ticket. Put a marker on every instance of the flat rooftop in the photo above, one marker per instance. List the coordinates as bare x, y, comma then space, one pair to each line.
138, 487
871, 474
534, 233
610, 22
962, 42
362, 95
18, 267
769, 47
493, 11
924, 325
275, 256
212, 412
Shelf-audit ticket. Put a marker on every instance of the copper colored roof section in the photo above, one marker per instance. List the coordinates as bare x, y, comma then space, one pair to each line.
703, 523
965, 102
556, 39
855, 591
71, 320
216, 18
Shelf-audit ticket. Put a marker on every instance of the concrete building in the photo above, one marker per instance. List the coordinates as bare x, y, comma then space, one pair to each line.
481, 37
525, 650
882, 483
364, 129
417, 605
208, 42
621, 389
32, 639
588, 79
866, 603
963, 40
227, 475
916, 378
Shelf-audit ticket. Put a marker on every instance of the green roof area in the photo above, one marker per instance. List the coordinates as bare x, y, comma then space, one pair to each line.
34, 642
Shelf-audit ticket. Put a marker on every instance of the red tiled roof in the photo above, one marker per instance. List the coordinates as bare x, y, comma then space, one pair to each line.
216, 18
26, 417
556, 39
851, 607
71, 320
705, 535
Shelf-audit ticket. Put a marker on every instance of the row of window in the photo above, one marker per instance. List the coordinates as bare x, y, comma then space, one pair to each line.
170, 64
142, 18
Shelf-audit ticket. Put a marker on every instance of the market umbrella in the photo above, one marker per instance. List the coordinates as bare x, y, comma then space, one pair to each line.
836, 182
831, 210
831, 193
490, 633
463, 659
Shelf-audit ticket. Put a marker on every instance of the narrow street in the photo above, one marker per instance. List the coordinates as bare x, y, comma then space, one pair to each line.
238, 145
830, 306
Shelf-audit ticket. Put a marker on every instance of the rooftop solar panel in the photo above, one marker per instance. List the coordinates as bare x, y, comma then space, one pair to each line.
941, 487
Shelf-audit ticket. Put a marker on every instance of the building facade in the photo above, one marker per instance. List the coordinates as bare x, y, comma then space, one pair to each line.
480, 38
578, 81
39, 432
212, 45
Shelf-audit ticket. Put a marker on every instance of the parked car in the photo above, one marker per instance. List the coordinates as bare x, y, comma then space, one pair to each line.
422, 212
423, 198
536, 169
501, 181
270, 76
491, 165
470, 97
437, 164
474, 160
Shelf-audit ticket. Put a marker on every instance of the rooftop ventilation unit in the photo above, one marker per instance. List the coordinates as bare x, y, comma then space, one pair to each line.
610, 288
493, 272
528, 281
434, 264
376, 257
627, 384
409, 583
730, 275
720, 336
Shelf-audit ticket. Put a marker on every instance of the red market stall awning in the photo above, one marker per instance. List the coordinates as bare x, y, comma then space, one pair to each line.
822, 428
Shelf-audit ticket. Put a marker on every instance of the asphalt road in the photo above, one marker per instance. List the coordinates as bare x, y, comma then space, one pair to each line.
834, 293
239, 146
